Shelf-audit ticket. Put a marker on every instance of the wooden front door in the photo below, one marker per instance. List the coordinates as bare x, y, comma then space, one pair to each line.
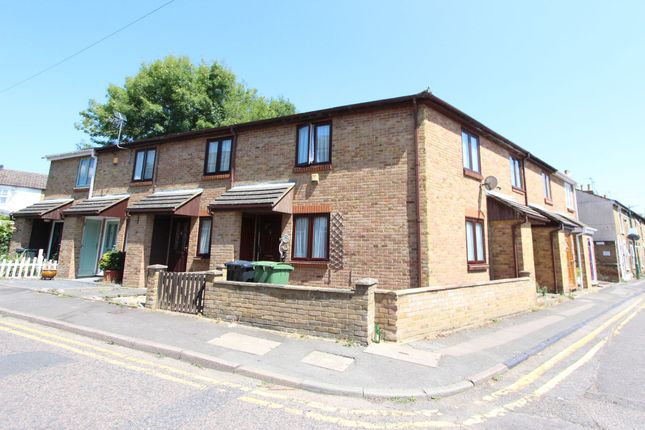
269, 228
178, 252
247, 238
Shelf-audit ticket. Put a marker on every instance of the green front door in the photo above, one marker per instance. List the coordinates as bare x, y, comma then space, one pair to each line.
89, 247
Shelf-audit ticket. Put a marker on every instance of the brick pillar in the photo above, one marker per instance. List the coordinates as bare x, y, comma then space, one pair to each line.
152, 283
21, 234
70, 247
365, 302
225, 242
525, 257
137, 253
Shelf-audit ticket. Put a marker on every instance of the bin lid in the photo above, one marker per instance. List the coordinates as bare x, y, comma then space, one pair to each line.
269, 264
283, 266
239, 263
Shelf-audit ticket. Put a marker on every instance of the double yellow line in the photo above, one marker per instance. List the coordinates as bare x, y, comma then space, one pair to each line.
113, 357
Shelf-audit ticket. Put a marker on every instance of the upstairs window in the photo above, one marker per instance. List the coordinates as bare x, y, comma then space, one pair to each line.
470, 148
568, 190
85, 172
314, 144
144, 165
516, 173
475, 241
4, 195
311, 237
218, 156
546, 186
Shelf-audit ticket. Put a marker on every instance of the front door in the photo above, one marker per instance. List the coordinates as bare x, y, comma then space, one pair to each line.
269, 228
178, 251
573, 284
89, 247
54, 242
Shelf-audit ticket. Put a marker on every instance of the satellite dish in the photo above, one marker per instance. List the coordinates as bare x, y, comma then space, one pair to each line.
490, 182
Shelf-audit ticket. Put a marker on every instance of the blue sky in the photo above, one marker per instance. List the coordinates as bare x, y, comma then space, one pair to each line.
565, 80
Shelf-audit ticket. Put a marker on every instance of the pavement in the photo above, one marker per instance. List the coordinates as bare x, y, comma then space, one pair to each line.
431, 368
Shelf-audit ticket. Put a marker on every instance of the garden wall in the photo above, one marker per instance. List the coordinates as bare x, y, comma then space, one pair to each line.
410, 314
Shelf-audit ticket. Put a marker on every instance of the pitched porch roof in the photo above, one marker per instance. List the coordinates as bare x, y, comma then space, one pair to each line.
178, 202
276, 197
48, 209
101, 205
563, 220
517, 207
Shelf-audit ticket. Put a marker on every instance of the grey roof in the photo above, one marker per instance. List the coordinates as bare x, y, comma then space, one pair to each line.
164, 201
95, 205
559, 218
19, 178
518, 207
41, 208
255, 195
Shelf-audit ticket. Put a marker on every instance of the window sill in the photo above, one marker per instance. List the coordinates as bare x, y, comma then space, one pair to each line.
202, 257
314, 168
81, 188
140, 183
471, 174
216, 177
477, 267
548, 201
311, 264
518, 190
571, 210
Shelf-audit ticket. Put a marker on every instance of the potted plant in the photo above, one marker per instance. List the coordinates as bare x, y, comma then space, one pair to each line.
112, 266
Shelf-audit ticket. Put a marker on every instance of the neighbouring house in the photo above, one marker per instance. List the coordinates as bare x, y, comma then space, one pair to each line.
618, 242
409, 190
19, 189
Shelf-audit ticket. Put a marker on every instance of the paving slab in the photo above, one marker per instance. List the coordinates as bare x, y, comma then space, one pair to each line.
240, 342
328, 361
404, 353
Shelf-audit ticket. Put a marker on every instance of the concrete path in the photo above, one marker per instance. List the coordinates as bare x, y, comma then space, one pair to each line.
435, 367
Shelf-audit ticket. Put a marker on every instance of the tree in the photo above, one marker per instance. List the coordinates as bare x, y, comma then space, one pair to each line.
173, 95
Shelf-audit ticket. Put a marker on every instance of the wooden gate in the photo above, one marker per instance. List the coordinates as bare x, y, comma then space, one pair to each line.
181, 291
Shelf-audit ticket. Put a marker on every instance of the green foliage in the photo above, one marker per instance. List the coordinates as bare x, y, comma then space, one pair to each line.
6, 230
112, 260
173, 95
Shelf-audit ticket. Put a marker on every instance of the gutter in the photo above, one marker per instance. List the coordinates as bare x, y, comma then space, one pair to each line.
417, 190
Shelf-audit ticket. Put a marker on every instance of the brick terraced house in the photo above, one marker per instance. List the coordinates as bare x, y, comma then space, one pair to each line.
409, 190
619, 239
392, 189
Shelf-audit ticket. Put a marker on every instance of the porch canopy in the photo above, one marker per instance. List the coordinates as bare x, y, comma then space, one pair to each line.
566, 221
504, 208
174, 202
273, 197
108, 206
45, 209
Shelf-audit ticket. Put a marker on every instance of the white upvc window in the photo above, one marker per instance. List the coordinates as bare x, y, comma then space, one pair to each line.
85, 172
568, 190
4, 195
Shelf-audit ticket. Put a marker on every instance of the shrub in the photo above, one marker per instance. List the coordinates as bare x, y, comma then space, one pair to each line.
6, 230
112, 260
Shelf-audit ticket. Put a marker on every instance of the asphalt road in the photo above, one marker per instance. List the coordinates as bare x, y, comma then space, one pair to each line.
53, 379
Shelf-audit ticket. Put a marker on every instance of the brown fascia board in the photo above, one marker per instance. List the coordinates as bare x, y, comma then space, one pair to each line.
424, 96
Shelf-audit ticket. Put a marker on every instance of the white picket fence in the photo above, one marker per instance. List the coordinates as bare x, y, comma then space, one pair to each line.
26, 267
